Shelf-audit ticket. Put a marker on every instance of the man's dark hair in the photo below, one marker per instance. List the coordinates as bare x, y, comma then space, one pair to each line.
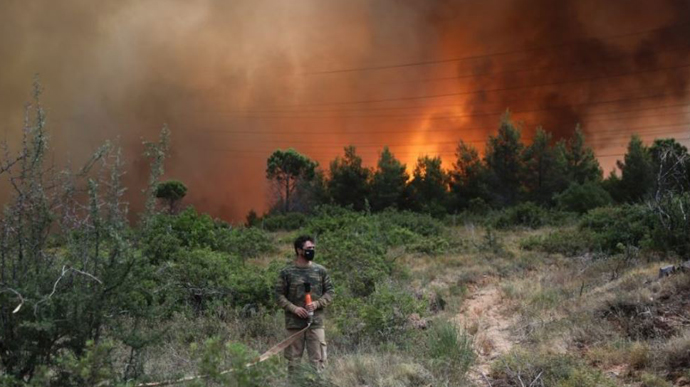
301, 240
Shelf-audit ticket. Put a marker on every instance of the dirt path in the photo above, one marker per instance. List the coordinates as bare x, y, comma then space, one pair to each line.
483, 316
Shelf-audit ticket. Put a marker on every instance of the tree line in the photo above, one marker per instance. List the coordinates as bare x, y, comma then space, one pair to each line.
563, 173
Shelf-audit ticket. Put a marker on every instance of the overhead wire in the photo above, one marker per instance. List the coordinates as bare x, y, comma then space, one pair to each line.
498, 54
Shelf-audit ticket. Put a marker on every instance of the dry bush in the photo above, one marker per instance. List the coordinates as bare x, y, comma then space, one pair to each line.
674, 356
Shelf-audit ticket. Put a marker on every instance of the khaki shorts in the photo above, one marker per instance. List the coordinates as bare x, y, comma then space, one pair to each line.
314, 340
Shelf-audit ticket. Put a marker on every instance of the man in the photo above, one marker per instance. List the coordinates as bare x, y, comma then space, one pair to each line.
290, 296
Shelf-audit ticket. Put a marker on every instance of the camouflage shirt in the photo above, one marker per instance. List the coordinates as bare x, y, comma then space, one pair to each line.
289, 292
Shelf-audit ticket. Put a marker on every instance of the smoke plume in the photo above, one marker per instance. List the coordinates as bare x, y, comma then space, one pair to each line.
236, 80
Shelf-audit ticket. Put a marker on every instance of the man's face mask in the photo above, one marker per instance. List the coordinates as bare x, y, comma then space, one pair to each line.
309, 254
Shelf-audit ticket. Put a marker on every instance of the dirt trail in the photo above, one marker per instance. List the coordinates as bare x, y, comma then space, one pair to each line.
483, 315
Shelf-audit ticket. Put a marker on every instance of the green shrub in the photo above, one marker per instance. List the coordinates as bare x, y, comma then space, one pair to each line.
331, 218
627, 225
94, 366
244, 242
450, 351
568, 242
429, 245
356, 259
672, 224
169, 234
421, 224
215, 358
522, 215
209, 276
381, 316
581, 198
287, 222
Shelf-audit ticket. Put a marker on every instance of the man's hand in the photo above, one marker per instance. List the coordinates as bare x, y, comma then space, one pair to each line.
302, 312
311, 307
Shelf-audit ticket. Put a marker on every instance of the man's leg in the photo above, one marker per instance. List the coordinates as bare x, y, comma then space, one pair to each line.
293, 353
316, 348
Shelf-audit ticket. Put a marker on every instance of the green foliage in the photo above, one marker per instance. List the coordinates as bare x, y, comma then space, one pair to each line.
156, 152
503, 157
541, 179
671, 224
628, 225
69, 293
286, 169
349, 180
287, 222
577, 161
331, 218
168, 234
356, 258
93, 367
207, 276
522, 215
569, 242
450, 351
468, 177
637, 173
491, 242
421, 224
380, 316
171, 191
428, 245
429, 187
252, 218
243, 242
581, 198
226, 364
389, 183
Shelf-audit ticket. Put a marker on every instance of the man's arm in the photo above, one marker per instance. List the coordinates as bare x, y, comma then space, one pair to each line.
281, 289
328, 291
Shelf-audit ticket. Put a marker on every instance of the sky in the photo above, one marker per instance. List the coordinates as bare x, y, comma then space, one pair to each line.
236, 80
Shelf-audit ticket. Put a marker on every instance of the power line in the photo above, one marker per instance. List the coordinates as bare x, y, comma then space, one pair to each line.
495, 54
534, 69
379, 108
553, 108
455, 94
497, 112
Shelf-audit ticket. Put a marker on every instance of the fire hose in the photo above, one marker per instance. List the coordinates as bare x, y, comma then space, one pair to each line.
276, 349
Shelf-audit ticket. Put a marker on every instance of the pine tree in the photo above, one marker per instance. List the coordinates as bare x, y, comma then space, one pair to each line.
504, 162
286, 169
467, 177
637, 175
389, 182
349, 180
540, 175
429, 186
581, 164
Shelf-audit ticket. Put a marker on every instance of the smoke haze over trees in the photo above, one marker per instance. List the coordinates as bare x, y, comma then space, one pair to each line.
416, 76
